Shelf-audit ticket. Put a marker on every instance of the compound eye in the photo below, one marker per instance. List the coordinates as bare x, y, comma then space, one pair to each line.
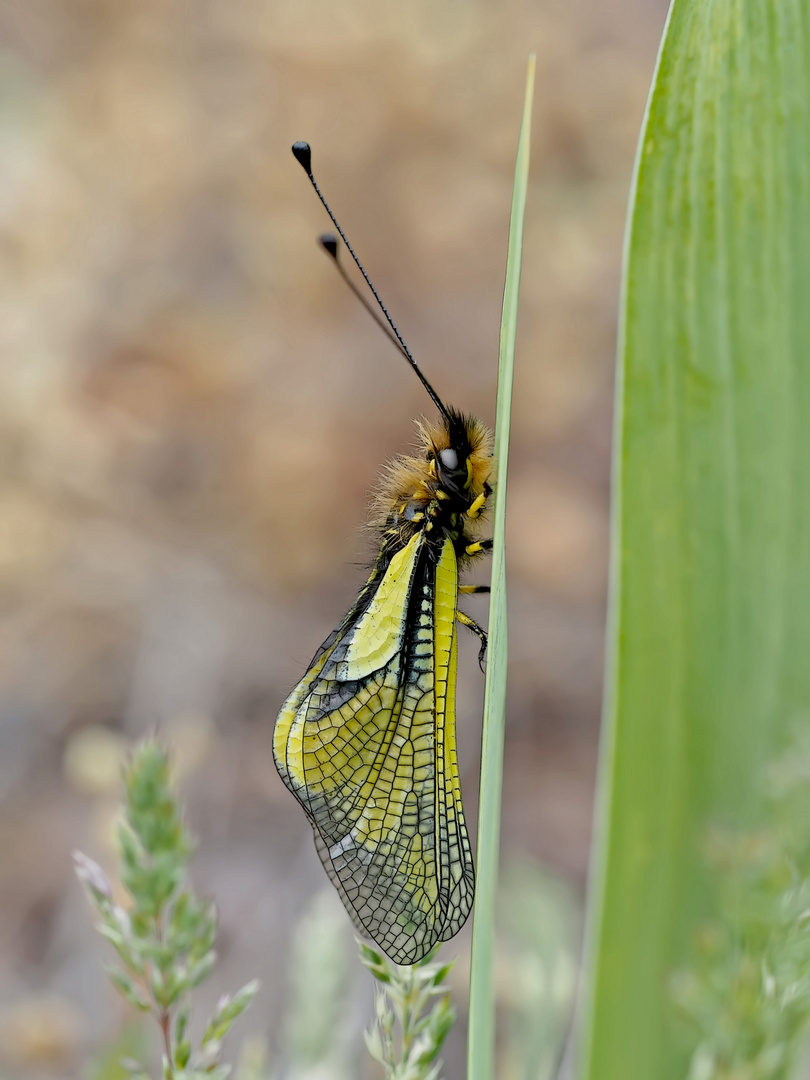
448, 459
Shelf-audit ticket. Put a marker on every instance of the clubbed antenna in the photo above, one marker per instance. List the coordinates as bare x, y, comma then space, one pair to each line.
303, 155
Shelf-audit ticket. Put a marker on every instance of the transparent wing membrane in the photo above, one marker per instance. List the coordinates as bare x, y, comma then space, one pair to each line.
366, 743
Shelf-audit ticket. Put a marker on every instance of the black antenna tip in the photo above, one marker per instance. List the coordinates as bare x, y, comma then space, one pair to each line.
329, 242
303, 155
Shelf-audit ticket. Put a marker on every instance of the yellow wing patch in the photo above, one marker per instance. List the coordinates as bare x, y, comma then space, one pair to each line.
378, 634
366, 742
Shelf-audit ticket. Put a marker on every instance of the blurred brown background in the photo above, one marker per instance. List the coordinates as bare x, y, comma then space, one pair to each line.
194, 411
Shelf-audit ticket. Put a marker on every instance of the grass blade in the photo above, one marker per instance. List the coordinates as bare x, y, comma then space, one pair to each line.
711, 541
481, 1042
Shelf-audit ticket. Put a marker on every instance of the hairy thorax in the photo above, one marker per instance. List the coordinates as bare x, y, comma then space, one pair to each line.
441, 493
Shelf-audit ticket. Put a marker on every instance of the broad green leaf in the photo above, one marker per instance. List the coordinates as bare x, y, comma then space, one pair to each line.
481, 1043
709, 662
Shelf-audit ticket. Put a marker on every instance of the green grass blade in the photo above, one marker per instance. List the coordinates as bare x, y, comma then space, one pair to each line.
710, 610
481, 1042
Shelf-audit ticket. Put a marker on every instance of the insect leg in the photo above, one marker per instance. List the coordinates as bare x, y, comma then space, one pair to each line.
471, 624
476, 507
478, 546
474, 588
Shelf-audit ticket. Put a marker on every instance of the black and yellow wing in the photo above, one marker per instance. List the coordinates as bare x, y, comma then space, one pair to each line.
366, 742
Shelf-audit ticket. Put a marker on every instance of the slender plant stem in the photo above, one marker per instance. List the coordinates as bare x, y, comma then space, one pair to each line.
481, 1035
165, 1027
